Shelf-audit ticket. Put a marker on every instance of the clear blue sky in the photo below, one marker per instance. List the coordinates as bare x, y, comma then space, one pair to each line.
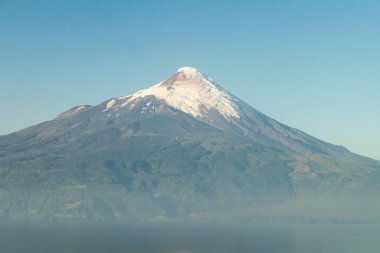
311, 64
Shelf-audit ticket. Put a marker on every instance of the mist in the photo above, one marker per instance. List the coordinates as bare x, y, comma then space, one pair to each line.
187, 237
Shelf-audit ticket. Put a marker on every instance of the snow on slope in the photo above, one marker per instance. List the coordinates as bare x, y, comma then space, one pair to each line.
189, 91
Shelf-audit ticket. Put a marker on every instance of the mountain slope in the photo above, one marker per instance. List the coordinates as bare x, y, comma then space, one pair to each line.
184, 148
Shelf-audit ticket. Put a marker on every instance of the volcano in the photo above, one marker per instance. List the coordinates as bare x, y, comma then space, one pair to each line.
182, 149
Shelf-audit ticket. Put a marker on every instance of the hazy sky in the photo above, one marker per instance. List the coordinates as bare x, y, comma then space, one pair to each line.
311, 64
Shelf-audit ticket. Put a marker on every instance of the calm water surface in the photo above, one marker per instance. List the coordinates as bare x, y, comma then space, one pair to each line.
38, 238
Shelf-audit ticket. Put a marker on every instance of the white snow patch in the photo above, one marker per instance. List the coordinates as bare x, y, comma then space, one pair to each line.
124, 104
188, 70
124, 97
80, 108
284, 133
192, 93
111, 103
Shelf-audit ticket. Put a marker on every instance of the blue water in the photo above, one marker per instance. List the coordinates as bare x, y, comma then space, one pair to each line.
186, 238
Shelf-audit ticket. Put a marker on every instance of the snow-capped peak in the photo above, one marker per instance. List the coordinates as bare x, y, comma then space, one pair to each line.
190, 91
191, 70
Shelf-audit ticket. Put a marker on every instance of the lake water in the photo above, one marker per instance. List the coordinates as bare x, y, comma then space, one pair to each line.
187, 238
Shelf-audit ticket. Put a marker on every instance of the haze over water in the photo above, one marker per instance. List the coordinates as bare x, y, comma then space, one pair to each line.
268, 238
